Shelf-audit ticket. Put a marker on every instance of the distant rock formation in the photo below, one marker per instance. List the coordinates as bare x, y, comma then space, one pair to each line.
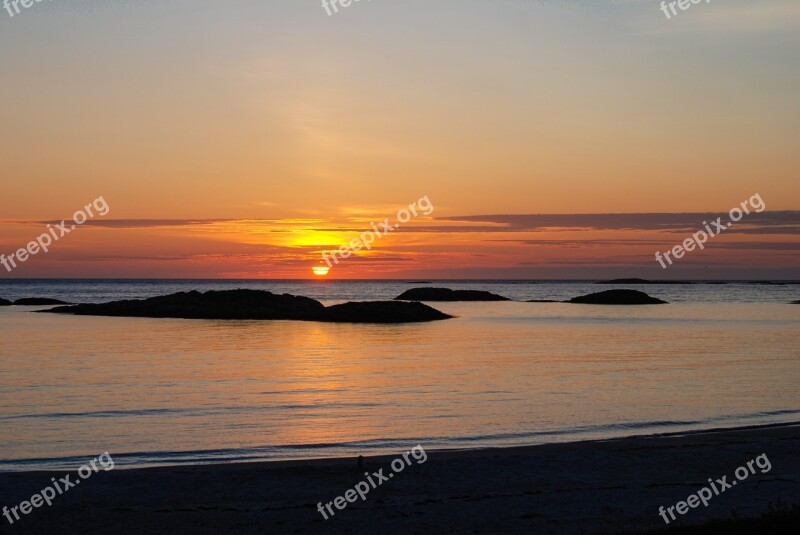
642, 281
4, 303
543, 301
231, 304
382, 312
796, 302
255, 305
39, 301
617, 297
446, 294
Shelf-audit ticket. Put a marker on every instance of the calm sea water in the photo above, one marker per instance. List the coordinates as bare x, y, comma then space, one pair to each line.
156, 391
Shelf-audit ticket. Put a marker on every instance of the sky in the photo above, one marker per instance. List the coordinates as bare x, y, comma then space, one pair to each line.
242, 139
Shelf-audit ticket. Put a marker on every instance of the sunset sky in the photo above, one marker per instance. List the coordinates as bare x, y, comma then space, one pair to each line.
240, 139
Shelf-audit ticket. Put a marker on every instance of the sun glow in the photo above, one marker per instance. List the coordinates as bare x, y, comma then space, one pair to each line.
320, 271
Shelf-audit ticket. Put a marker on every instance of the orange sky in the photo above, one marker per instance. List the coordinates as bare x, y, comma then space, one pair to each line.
241, 139
762, 245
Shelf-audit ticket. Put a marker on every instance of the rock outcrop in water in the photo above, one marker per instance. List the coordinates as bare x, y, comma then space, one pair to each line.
4, 303
39, 301
233, 304
446, 294
256, 305
382, 312
617, 297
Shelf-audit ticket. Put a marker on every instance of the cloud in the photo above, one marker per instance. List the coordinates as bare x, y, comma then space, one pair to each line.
786, 222
139, 223
583, 244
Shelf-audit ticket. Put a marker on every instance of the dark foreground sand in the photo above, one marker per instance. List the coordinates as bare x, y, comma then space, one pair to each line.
586, 487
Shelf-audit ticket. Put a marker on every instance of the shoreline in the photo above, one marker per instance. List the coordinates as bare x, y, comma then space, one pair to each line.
597, 486
445, 452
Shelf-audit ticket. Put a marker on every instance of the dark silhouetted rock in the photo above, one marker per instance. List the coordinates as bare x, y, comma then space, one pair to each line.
446, 294
255, 305
543, 301
39, 301
618, 297
4, 303
796, 302
230, 304
383, 312
642, 281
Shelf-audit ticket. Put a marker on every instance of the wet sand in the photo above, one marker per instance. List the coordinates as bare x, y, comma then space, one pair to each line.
582, 487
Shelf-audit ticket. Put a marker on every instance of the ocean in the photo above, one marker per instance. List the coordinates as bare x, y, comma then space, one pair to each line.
166, 392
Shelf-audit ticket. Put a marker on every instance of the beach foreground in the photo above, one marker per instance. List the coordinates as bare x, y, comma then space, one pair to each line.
582, 487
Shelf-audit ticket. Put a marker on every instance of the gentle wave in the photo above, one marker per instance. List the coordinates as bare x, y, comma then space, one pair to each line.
391, 445
189, 412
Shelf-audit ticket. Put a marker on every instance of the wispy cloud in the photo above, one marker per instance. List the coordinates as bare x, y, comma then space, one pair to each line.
785, 222
137, 223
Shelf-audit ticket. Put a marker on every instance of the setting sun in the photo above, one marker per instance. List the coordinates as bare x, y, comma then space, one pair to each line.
320, 271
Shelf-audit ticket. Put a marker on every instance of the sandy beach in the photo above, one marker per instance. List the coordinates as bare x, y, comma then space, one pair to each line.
582, 487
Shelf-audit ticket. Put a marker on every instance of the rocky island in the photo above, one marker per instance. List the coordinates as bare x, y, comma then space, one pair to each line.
256, 305
39, 301
446, 294
617, 297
